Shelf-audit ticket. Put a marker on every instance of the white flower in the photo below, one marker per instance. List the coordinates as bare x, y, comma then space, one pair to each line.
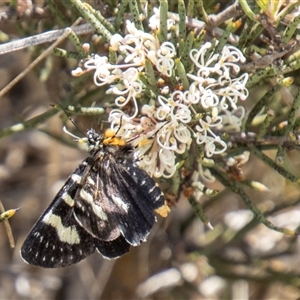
175, 137
115, 42
167, 162
203, 63
192, 96
209, 99
205, 135
137, 43
159, 163
232, 120
165, 63
166, 49
165, 66
95, 61
233, 92
211, 147
218, 64
129, 83
154, 21
173, 117
209, 91
171, 134
77, 72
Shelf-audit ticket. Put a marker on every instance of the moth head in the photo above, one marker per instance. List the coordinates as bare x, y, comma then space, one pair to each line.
93, 139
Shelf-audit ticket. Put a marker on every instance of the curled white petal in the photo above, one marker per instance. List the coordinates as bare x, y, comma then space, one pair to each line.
165, 66
115, 41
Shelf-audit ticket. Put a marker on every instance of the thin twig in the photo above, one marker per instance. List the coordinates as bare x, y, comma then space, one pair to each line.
45, 37
64, 35
8, 228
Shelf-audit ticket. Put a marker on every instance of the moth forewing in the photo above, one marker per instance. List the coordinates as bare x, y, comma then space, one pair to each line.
107, 204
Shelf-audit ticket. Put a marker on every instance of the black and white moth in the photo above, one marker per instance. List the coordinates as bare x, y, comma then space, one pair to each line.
107, 204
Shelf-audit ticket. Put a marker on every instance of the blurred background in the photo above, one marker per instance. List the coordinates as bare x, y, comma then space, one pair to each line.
182, 259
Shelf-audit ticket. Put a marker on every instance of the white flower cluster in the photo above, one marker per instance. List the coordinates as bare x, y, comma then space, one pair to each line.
174, 118
138, 46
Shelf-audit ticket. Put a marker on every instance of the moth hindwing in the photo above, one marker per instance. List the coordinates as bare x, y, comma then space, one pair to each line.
107, 204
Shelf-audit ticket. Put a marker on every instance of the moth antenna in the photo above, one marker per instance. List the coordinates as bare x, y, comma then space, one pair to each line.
72, 121
71, 134
121, 119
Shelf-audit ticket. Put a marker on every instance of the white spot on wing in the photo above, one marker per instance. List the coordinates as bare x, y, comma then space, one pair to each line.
158, 197
96, 208
76, 178
86, 196
152, 189
90, 181
67, 198
66, 234
120, 203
